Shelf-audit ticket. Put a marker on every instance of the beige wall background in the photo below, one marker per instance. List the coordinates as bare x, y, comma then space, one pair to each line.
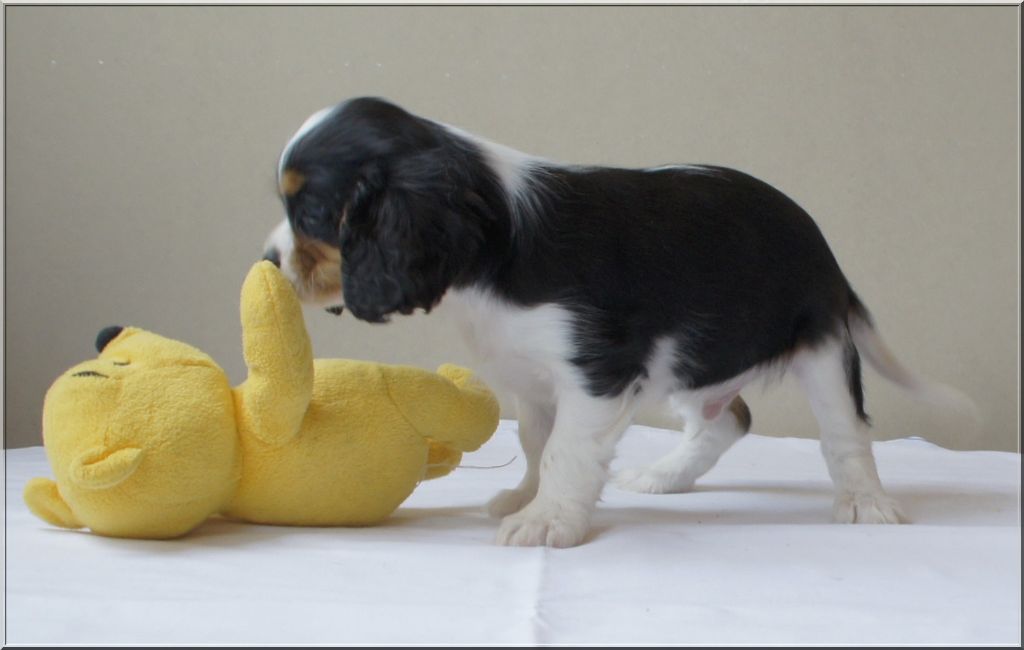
141, 145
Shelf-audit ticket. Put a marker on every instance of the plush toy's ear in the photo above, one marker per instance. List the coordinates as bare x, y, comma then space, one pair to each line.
44, 500
106, 335
99, 468
404, 239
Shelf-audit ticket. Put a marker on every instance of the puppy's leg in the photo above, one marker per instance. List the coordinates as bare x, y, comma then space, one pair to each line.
535, 422
830, 375
704, 442
573, 470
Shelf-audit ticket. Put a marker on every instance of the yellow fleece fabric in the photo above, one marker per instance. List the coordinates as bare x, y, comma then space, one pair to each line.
149, 439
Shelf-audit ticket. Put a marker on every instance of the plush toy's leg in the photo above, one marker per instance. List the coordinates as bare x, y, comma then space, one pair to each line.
451, 406
279, 355
45, 502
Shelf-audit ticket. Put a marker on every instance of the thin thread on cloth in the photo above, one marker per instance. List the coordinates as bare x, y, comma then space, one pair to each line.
506, 464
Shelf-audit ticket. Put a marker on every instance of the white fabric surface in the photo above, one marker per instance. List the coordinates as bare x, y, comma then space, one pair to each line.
747, 558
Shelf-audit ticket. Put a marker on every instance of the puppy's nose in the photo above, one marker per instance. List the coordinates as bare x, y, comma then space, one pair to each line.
274, 256
106, 335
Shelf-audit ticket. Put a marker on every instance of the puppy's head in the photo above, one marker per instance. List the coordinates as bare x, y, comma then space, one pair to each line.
382, 216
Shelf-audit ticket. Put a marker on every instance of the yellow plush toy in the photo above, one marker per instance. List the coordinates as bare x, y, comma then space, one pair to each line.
149, 439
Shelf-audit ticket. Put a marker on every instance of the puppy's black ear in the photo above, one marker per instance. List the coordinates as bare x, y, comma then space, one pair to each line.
403, 241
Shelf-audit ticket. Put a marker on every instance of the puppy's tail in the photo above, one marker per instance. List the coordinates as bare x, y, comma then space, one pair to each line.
878, 355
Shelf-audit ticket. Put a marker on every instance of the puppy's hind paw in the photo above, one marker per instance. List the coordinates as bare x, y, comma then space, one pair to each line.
651, 481
867, 508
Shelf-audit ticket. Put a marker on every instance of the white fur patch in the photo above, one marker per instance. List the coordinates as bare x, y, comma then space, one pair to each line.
520, 174
282, 241
696, 169
523, 350
311, 123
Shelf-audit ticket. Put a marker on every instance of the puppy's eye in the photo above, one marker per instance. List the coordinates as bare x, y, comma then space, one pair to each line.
313, 210
120, 363
316, 219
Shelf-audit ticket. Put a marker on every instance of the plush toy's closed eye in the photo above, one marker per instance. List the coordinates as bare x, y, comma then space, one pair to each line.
100, 468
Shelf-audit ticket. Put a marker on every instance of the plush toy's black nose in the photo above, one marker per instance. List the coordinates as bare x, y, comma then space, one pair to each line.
106, 335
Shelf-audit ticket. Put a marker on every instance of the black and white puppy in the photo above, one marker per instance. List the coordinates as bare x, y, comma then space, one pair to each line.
588, 292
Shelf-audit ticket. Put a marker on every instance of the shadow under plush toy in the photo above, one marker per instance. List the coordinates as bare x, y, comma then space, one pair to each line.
149, 439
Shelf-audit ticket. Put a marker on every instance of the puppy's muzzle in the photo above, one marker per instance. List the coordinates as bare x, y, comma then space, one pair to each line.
273, 255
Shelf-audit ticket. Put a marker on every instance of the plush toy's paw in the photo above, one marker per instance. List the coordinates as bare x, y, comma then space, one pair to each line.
441, 459
458, 375
268, 299
544, 524
99, 468
44, 500
866, 508
266, 276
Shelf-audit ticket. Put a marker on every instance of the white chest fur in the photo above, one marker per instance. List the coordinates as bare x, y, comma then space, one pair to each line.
522, 350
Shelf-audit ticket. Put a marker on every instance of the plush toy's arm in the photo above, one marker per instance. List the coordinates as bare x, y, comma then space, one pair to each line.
275, 397
99, 468
451, 407
44, 500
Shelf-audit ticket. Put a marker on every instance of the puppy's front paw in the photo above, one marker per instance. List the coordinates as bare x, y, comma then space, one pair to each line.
652, 481
866, 508
544, 525
507, 502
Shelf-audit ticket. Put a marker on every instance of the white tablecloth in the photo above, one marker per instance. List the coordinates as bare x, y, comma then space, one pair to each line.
747, 558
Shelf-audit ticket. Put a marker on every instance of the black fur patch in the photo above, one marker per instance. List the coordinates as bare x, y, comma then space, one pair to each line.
727, 266
851, 365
